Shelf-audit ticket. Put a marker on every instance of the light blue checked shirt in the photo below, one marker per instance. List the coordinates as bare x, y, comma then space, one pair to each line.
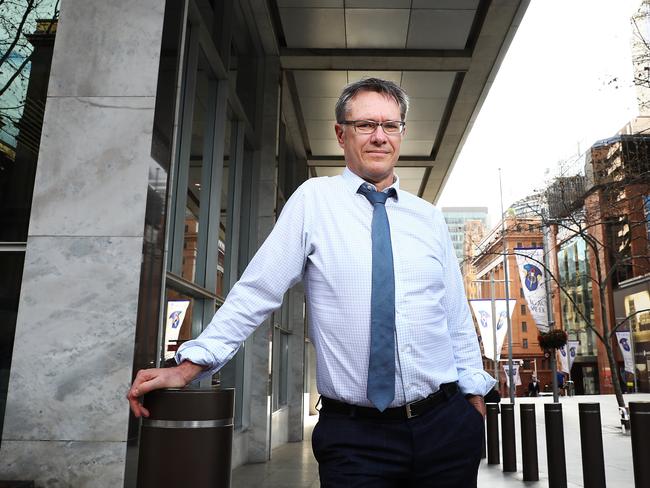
323, 237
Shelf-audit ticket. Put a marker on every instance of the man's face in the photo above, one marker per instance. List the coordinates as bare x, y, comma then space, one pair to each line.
371, 156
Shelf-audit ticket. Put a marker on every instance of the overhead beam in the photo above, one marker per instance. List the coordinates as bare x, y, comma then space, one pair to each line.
335, 161
375, 59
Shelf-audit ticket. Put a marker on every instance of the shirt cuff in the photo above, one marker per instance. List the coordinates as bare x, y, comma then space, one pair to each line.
476, 382
198, 355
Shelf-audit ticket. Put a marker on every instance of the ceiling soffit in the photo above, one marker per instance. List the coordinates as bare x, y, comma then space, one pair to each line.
444, 53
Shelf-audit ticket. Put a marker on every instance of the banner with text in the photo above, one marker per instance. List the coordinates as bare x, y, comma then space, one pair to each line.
531, 274
515, 374
483, 313
573, 352
176, 310
563, 359
623, 339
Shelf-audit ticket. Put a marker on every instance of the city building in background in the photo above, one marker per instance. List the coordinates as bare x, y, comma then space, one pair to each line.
456, 217
474, 233
599, 234
489, 264
155, 149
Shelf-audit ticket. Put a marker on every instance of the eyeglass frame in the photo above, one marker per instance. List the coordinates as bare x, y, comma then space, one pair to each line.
401, 123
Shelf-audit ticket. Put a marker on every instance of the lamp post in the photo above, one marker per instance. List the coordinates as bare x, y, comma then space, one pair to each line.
511, 383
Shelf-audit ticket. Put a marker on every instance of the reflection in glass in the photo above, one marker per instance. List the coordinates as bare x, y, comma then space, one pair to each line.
193, 203
178, 322
11, 264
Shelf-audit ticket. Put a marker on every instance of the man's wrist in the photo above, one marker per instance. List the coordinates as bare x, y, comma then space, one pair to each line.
189, 370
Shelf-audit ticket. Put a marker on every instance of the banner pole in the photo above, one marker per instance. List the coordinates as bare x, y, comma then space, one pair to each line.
494, 328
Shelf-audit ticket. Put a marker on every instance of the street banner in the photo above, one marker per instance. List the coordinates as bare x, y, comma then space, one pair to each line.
563, 359
531, 274
623, 339
515, 374
483, 313
573, 351
176, 310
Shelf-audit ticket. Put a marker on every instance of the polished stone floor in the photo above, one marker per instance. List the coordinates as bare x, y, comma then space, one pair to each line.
293, 465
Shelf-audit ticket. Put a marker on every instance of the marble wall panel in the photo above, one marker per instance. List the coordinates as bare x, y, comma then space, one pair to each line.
107, 48
64, 464
92, 171
74, 342
296, 364
259, 400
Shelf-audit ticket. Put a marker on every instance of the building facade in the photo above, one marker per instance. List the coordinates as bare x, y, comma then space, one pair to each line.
489, 265
456, 217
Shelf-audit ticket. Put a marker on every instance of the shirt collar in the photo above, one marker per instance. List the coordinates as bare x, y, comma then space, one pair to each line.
353, 182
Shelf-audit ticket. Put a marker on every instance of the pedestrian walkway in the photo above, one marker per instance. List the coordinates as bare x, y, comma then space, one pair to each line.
293, 465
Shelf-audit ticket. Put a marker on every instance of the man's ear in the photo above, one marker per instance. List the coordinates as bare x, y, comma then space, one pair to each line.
340, 135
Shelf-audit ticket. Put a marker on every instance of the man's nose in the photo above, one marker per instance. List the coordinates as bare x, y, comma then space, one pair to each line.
379, 136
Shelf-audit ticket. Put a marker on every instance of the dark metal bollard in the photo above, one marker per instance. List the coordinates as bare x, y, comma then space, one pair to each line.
591, 441
529, 442
555, 445
189, 428
508, 438
493, 433
640, 426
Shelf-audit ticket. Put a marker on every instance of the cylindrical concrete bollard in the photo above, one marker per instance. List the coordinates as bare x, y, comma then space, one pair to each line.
640, 426
555, 445
493, 433
591, 442
189, 428
508, 438
529, 442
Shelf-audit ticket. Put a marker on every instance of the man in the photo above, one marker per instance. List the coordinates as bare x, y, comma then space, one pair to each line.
533, 387
398, 361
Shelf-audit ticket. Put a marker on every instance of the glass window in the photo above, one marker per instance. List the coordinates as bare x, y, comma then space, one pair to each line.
524, 327
524, 343
179, 316
11, 264
523, 309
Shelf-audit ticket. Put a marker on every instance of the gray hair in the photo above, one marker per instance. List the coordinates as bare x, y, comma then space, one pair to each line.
385, 87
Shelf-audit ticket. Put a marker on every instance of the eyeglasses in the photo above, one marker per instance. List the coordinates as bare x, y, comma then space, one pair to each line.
391, 127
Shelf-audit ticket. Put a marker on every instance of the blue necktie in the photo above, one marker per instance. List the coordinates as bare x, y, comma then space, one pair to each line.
381, 366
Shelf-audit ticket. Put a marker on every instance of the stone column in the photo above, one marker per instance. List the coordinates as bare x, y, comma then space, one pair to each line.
258, 343
66, 418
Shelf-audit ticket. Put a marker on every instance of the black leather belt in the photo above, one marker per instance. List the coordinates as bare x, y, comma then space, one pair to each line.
410, 410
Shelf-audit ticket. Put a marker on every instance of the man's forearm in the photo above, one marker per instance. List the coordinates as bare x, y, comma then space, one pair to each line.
189, 370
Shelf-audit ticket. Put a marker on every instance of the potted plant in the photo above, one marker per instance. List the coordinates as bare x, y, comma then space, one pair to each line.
553, 339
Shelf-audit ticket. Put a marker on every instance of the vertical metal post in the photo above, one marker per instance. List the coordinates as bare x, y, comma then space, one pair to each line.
591, 441
508, 438
511, 382
493, 433
640, 426
529, 442
555, 445
494, 329
549, 314
632, 345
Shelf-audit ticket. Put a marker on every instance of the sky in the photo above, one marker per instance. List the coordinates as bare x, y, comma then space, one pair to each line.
551, 100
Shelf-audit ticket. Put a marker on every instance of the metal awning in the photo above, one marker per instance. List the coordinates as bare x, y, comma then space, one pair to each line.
444, 53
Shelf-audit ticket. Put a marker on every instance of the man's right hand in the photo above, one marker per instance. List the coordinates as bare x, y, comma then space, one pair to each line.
156, 378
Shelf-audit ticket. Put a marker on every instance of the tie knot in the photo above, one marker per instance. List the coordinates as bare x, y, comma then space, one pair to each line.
375, 197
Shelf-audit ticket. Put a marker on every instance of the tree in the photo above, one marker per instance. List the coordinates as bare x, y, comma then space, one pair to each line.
608, 210
17, 20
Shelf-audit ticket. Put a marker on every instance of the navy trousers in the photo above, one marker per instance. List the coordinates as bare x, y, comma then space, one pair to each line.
440, 449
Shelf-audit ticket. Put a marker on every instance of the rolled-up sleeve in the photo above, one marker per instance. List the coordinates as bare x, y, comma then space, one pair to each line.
472, 378
276, 267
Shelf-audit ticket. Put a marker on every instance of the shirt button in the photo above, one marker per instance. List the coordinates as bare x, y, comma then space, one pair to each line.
407, 349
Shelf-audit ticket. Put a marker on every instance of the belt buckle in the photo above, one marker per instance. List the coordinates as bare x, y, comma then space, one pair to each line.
409, 413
